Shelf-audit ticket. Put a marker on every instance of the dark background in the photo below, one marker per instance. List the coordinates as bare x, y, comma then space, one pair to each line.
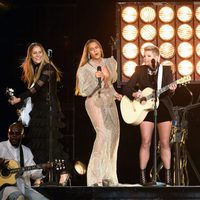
64, 27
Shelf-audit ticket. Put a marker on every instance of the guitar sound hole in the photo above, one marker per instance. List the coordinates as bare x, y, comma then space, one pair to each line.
143, 101
5, 172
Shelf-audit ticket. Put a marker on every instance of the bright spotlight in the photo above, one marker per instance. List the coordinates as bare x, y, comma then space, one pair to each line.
166, 32
185, 50
129, 68
184, 14
185, 32
148, 32
129, 14
167, 50
130, 51
148, 14
166, 14
185, 68
129, 32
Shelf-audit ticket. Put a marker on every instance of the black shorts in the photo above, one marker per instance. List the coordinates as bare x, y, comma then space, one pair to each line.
162, 114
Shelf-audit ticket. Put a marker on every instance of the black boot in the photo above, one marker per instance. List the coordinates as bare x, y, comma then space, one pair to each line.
168, 179
143, 179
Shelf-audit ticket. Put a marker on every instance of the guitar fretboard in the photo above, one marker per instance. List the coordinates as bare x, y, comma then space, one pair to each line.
165, 88
23, 169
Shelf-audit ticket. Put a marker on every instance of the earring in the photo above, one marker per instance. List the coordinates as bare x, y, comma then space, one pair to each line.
88, 56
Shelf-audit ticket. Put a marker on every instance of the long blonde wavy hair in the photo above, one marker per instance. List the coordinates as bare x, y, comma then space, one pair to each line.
85, 58
28, 75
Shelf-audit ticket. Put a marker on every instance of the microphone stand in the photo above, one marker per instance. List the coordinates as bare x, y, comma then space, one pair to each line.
155, 86
50, 120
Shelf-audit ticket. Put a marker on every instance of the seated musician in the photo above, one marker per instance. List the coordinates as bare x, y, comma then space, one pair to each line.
17, 186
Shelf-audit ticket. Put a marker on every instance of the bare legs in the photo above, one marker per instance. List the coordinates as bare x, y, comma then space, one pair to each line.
164, 130
146, 129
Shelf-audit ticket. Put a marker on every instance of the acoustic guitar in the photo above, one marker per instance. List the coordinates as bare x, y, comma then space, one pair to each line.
134, 111
12, 170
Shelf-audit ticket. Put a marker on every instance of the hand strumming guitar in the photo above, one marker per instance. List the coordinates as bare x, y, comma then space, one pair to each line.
14, 100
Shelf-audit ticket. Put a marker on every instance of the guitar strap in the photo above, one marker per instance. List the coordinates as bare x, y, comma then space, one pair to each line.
21, 157
160, 75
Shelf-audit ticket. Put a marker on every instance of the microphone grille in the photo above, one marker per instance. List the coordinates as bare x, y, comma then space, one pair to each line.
153, 62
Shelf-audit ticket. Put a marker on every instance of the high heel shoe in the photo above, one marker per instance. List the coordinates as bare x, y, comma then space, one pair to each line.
107, 182
168, 179
64, 179
143, 179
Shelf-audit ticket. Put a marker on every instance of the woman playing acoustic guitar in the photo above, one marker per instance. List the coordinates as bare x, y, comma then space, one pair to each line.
153, 74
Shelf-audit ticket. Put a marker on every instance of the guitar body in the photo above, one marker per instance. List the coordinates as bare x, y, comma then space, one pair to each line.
10, 173
134, 112
6, 177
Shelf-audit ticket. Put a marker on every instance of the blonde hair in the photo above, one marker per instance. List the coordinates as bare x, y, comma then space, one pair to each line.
152, 48
85, 58
29, 76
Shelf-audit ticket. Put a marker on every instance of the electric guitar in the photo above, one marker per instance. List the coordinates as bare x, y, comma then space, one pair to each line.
23, 113
12, 170
134, 111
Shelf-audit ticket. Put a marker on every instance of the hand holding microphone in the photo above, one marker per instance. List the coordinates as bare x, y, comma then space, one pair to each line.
99, 75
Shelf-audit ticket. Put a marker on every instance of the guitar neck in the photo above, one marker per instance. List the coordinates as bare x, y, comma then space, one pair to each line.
23, 169
160, 91
165, 88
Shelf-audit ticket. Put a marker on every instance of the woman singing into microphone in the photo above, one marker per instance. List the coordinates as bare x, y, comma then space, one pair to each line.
101, 108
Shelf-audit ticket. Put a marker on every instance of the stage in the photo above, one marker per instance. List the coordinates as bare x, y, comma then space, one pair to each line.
128, 192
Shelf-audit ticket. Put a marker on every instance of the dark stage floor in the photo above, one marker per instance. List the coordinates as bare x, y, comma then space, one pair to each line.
129, 192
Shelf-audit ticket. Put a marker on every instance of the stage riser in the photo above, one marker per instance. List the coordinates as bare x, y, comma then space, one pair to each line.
121, 193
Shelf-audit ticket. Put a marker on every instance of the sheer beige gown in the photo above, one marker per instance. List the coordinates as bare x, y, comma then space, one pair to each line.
102, 110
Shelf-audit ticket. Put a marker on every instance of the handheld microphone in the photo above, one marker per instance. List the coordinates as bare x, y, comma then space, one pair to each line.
49, 53
99, 78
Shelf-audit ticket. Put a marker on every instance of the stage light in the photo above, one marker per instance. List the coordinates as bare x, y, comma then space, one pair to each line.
197, 31
185, 32
185, 50
198, 49
184, 14
197, 13
130, 51
185, 68
129, 68
129, 14
148, 32
80, 167
147, 14
129, 32
172, 26
166, 32
167, 50
166, 14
